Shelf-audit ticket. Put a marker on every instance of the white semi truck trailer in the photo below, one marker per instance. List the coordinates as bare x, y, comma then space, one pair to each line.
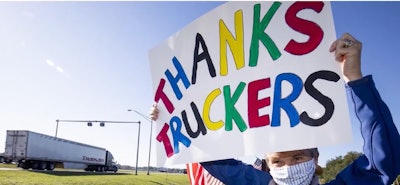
39, 151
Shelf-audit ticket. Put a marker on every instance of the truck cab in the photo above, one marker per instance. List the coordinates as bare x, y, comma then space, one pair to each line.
110, 163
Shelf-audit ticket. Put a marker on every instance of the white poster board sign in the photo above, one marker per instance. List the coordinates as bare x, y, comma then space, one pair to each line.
249, 78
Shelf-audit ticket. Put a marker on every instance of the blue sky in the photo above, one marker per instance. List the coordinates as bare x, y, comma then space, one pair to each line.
89, 61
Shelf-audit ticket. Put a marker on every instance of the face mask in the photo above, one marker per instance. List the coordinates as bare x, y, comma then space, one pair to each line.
299, 174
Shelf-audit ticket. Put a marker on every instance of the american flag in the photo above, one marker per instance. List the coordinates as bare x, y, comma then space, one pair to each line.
200, 176
258, 164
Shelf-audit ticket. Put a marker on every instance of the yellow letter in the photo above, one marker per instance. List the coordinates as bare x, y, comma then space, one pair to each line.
236, 45
206, 111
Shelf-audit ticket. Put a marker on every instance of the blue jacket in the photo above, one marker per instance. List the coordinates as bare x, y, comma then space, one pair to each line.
380, 163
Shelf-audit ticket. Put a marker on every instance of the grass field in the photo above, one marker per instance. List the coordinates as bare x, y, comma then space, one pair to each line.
15, 176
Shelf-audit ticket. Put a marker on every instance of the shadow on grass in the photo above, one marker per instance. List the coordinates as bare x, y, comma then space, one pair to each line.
155, 182
76, 173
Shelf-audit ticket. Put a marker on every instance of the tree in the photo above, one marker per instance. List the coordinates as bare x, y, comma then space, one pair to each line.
397, 181
334, 166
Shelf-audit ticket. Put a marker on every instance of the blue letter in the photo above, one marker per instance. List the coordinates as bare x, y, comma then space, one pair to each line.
286, 103
180, 76
177, 135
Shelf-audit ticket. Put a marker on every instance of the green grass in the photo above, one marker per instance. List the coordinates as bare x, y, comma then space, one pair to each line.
3, 165
27, 177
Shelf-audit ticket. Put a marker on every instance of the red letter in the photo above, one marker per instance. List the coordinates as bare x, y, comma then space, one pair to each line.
163, 137
306, 27
160, 94
254, 104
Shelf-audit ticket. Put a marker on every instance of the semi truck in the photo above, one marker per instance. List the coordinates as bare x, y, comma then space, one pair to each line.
32, 150
2, 159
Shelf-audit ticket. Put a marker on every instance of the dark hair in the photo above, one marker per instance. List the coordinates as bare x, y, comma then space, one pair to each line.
314, 152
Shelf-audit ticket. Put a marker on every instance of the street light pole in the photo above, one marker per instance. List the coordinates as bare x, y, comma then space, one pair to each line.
137, 151
151, 133
56, 129
102, 124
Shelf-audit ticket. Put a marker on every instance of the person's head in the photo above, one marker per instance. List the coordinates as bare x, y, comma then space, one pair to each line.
293, 167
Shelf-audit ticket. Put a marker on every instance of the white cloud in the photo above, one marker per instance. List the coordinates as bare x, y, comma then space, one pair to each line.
49, 62
59, 69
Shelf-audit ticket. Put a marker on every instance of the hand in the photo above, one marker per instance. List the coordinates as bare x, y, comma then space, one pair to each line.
348, 52
154, 112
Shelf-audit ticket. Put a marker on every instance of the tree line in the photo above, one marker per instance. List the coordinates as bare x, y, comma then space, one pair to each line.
337, 164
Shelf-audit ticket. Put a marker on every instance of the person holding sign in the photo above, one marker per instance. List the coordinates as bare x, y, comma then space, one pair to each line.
380, 163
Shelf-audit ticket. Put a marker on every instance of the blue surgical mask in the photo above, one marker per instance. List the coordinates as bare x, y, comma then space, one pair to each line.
298, 174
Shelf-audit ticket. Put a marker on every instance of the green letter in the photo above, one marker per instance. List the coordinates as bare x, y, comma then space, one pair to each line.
230, 111
260, 35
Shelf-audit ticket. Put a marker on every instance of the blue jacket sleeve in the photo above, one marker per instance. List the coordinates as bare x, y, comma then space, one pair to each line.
232, 171
380, 163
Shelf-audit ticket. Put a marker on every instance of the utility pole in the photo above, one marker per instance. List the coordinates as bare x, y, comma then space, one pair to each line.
151, 133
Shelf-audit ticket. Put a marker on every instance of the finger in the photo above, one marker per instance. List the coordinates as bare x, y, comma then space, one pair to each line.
342, 42
347, 40
346, 43
348, 36
339, 57
154, 117
332, 48
154, 112
340, 52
